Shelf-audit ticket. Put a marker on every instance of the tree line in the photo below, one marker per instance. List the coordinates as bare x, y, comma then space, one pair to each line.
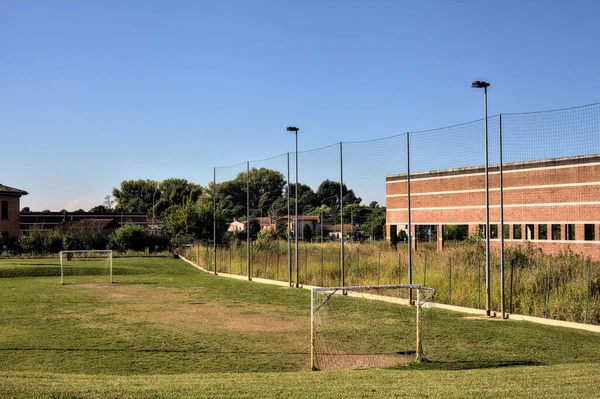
187, 208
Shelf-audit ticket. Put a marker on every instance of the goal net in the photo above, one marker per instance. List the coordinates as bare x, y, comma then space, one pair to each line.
92, 266
366, 327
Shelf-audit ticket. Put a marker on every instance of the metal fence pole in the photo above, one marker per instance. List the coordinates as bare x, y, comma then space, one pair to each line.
277, 266
488, 298
357, 263
449, 281
548, 291
215, 218
510, 303
296, 226
321, 267
479, 284
306, 265
248, 220
379, 269
425, 271
410, 237
266, 261
289, 240
502, 309
399, 271
342, 262
587, 290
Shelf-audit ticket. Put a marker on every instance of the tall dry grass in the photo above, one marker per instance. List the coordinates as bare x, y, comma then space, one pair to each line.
536, 284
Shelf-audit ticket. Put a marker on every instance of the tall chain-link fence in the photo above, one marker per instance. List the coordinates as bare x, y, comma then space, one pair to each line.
515, 229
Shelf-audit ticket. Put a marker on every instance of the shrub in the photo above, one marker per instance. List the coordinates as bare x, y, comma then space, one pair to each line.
265, 238
130, 236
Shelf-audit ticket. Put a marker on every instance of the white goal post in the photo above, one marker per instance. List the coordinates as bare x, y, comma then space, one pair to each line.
367, 326
66, 256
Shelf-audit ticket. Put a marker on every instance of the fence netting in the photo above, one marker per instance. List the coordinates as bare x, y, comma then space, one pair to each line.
550, 184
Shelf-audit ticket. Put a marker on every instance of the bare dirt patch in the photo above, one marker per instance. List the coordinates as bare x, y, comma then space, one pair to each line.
168, 308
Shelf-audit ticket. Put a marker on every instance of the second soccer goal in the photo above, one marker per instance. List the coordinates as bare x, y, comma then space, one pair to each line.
86, 266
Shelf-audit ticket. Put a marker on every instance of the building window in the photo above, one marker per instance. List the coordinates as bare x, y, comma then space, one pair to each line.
569, 231
493, 231
556, 232
506, 231
393, 230
588, 232
4, 210
4, 236
517, 233
529, 232
542, 231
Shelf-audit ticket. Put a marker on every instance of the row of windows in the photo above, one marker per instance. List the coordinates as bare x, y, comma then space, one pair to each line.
554, 234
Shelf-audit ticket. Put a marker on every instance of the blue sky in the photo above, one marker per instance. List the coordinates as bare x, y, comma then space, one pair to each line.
94, 93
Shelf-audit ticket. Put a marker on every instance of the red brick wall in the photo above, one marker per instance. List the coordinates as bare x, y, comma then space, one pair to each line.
562, 191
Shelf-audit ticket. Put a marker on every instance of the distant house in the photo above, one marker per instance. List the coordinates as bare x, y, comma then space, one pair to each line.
311, 221
335, 231
9, 212
236, 225
266, 223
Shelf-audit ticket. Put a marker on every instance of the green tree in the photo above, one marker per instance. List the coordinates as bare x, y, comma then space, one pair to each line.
175, 192
328, 190
307, 233
135, 195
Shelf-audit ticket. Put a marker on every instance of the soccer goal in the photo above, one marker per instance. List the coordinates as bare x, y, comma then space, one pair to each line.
86, 266
367, 327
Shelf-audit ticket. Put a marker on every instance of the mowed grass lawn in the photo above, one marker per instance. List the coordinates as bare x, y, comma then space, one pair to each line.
167, 330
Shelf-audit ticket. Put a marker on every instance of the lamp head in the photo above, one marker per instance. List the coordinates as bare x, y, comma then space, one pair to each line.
292, 129
480, 84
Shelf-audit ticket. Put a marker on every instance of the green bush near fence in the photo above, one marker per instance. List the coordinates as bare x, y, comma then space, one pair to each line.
562, 287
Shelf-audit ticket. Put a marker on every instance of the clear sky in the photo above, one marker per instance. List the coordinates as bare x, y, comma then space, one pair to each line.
96, 92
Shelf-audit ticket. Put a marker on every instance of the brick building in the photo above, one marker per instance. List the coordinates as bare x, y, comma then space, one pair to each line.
9, 212
552, 203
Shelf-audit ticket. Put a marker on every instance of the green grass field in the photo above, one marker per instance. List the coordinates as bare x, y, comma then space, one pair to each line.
166, 330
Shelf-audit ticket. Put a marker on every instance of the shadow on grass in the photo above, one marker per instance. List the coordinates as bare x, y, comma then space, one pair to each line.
142, 350
470, 365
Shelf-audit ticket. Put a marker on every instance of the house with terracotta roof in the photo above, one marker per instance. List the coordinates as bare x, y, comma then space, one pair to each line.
337, 230
9, 212
311, 221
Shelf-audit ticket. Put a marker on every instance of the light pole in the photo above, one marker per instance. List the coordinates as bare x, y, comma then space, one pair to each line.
484, 85
295, 130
